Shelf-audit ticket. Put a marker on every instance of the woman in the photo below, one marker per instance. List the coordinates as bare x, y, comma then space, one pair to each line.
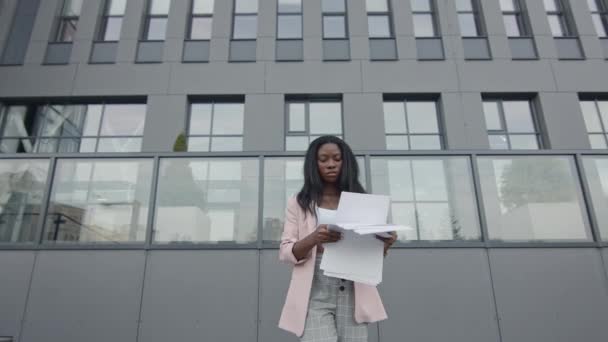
317, 307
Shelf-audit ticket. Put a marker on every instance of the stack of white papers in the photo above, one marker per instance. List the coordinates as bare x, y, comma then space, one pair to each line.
359, 255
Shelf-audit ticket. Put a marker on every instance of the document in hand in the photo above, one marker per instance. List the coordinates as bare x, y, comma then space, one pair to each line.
359, 255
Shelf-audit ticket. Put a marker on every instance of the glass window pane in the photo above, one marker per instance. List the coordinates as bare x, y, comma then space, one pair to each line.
464, 5
490, 111
290, 6
67, 30
296, 143
87, 145
160, 7
15, 124
376, 5
290, 26
112, 29
556, 26
550, 5
597, 141
325, 117
203, 7
498, 142
596, 169
507, 5
334, 27
117, 7
157, 28
22, 183
422, 117
207, 200
468, 26
68, 145
439, 187
421, 5
518, 116
246, 6
283, 178
123, 119
423, 25
72, 8
62, 121
397, 142
201, 28
532, 198
524, 142
228, 118
333, 6
378, 26
425, 142
200, 118
394, 117
46, 145
245, 27
226, 144
119, 145
511, 25
591, 117
103, 201
599, 25
297, 117
198, 144
592, 5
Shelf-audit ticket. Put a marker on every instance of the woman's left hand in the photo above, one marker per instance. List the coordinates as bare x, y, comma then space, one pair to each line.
388, 241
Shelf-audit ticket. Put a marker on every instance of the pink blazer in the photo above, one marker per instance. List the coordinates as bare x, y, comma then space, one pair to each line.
368, 305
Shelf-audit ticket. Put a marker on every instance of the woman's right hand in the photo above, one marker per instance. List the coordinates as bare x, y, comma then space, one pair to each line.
324, 235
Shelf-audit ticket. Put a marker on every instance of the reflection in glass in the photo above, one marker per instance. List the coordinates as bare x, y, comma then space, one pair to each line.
101, 201
207, 200
22, 185
423, 25
532, 198
325, 117
596, 169
245, 27
378, 26
200, 28
432, 195
283, 178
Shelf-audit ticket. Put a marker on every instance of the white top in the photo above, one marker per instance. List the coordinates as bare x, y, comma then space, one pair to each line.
326, 216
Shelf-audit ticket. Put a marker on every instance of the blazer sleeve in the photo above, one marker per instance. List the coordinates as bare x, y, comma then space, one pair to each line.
290, 233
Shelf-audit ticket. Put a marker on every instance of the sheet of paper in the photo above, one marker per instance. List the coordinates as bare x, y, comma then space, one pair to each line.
362, 209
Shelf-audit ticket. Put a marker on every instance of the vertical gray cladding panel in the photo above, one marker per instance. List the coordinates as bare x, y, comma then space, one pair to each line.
16, 269
605, 262
20, 33
438, 295
363, 121
264, 122
563, 120
604, 43
274, 281
166, 117
84, 296
550, 295
200, 295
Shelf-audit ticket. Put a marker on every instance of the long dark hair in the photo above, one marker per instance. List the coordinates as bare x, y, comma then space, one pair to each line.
348, 179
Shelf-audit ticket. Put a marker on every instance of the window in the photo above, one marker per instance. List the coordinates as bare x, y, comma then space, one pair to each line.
201, 20
111, 22
432, 195
411, 125
514, 19
289, 19
64, 128
245, 24
216, 126
599, 15
379, 19
469, 18
308, 119
596, 169
511, 125
595, 113
156, 19
558, 19
532, 198
334, 19
425, 24
68, 21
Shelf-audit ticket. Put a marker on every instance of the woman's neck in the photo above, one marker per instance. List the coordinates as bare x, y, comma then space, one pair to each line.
330, 190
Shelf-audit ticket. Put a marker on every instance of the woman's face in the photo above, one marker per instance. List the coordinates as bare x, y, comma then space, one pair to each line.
329, 162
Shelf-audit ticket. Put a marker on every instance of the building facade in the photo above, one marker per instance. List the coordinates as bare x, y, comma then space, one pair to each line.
149, 148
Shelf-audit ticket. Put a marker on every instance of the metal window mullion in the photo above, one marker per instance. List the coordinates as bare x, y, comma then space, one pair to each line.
503, 122
260, 221
46, 199
414, 199
213, 104
587, 198
481, 213
152, 203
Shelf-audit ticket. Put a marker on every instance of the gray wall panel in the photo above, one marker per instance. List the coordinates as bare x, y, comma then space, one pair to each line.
581, 76
364, 121
550, 294
264, 122
217, 78
564, 121
16, 268
121, 79
409, 76
438, 295
313, 77
166, 118
84, 296
506, 76
200, 295
37, 80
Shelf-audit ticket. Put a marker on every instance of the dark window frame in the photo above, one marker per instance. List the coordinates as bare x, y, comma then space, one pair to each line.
523, 20
566, 21
192, 17
213, 102
236, 14
306, 101
148, 18
343, 14
477, 12
539, 133
602, 12
604, 125
391, 23
64, 20
290, 14
105, 17
433, 13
